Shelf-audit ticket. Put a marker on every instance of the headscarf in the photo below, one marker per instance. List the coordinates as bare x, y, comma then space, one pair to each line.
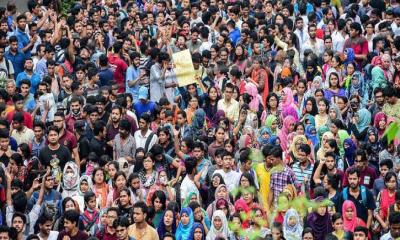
379, 117
183, 231
218, 116
223, 231
187, 199
290, 111
161, 229
310, 118
245, 141
298, 139
350, 56
273, 140
316, 84
364, 119
349, 152
311, 134
289, 98
88, 180
251, 89
240, 204
198, 121
321, 151
268, 122
350, 224
261, 140
377, 61
357, 89
343, 135
337, 111
321, 225
321, 131
283, 134
290, 191
292, 232
212, 207
70, 181
195, 226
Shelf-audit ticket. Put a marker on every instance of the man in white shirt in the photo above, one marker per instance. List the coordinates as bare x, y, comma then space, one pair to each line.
188, 185
313, 43
300, 32
229, 105
394, 225
144, 137
231, 178
339, 36
19, 132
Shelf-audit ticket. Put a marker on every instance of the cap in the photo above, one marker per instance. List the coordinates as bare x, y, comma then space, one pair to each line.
143, 93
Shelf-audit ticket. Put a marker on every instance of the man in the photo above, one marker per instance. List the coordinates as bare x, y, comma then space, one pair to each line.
25, 43
231, 177
339, 36
315, 44
246, 165
234, 32
141, 230
18, 222
16, 57
303, 168
66, 138
28, 73
5, 232
109, 231
5, 66
71, 231
360, 233
113, 126
279, 179
54, 154
39, 141
91, 88
121, 227
19, 132
379, 101
144, 137
29, 101
301, 34
100, 104
91, 118
18, 100
66, 87
367, 174
188, 184
41, 66
144, 105
263, 172
229, 105
157, 77
392, 105
97, 143
394, 223
330, 162
75, 113
194, 43
83, 143
119, 66
124, 143
359, 195
45, 223
105, 72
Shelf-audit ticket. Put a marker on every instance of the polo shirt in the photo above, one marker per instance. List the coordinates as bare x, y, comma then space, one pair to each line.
17, 61
301, 174
23, 41
231, 108
24, 136
68, 140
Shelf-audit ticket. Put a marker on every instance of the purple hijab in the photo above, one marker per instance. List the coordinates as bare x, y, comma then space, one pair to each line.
320, 225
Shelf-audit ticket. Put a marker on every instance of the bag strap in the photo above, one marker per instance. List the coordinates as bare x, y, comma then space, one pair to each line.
148, 140
7, 66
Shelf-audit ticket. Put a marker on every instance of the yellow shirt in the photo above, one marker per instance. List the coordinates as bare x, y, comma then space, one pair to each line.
263, 176
148, 234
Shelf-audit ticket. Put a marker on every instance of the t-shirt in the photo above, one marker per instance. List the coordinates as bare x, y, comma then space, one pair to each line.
231, 178
119, 67
47, 156
263, 176
148, 234
362, 207
367, 177
79, 236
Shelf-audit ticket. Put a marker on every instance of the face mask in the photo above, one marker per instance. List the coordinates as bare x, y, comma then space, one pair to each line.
76, 111
163, 180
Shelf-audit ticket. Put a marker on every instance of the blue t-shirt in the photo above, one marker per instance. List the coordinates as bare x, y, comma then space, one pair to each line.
141, 108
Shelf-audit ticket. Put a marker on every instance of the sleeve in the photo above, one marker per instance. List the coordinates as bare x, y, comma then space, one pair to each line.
154, 74
129, 74
11, 69
345, 183
365, 47
9, 213
33, 217
84, 149
370, 200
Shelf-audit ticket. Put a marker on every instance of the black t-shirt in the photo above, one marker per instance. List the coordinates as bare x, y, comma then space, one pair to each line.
83, 147
98, 147
79, 236
62, 155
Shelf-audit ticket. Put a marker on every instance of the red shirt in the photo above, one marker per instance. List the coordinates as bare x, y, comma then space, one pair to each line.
68, 140
28, 121
70, 122
367, 177
119, 67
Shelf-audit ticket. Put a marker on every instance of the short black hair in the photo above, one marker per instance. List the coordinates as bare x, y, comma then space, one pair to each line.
88, 195
276, 152
125, 125
72, 216
141, 205
361, 229
20, 215
305, 148
190, 164
386, 162
353, 170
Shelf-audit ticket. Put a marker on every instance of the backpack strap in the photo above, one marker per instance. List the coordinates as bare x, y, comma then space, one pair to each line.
148, 140
7, 66
345, 194
363, 190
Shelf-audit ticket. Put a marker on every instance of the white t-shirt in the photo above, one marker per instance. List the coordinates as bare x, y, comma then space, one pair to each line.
187, 187
231, 178
52, 236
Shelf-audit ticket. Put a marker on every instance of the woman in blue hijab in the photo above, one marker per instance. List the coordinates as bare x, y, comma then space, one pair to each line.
195, 232
185, 224
360, 123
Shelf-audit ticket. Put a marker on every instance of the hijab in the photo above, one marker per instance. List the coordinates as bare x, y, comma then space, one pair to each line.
350, 56
292, 232
290, 111
223, 231
70, 181
212, 207
311, 134
261, 139
251, 89
350, 224
298, 139
183, 231
241, 205
379, 117
343, 135
283, 134
321, 225
268, 122
350, 151
316, 84
88, 180
364, 117
309, 118
289, 98
195, 226
337, 111
218, 116
357, 89
198, 120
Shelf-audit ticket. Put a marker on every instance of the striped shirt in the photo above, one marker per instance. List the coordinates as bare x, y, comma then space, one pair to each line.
302, 173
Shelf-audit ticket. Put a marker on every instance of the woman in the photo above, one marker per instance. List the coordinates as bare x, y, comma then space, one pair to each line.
85, 185
272, 108
300, 94
159, 203
380, 122
334, 89
219, 226
378, 73
321, 151
386, 198
243, 209
358, 87
350, 149
373, 147
336, 67
198, 123
220, 192
190, 110
320, 220
100, 187
334, 113
210, 105
119, 182
209, 189
311, 134
292, 226
167, 224
350, 219
148, 175
70, 182
360, 123
294, 148
185, 224
331, 184
287, 98
310, 109
240, 58
288, 127
322, 117
67, 204
198, 232
254, 104
260, 76
337, 223
271, 123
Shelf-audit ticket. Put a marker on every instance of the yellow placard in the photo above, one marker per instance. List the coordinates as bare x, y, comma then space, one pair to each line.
184, 68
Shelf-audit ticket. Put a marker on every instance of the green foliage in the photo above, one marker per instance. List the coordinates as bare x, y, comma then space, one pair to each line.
66, 6
393, 131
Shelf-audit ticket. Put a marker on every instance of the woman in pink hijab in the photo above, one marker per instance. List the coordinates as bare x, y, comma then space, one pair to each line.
288, 127
287, 99
350, 219
251, 89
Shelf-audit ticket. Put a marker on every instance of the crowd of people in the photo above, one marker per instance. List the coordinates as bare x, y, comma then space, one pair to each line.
281, 134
